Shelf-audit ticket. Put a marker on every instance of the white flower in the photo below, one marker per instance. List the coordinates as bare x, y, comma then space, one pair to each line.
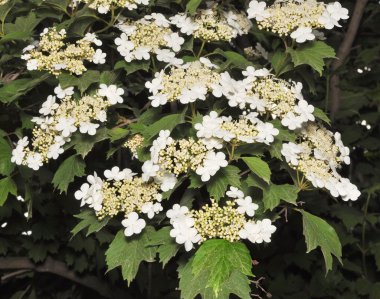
32, 65
62, 93
246, 206
117, 175
186, 25
188, 237
210, 125
160, 20
208, 63
54, 151
83, 193
34, 161
305, 111
103, 9
257, 11
141, 53
89, 128
91, 37
23, 142
176, 213
337, 12
66, 126
95, 181
266, 132
156, 84
291, 121
158, 99
112, 93
151, 209
164, 55
258, 232
291, 151
167, 181
211, 164
99, 57
196, 92
149, 170
251, 73
174, 41
302, 34
49, 106
347, 190
18, 155
133, 225
235, 193
328, 21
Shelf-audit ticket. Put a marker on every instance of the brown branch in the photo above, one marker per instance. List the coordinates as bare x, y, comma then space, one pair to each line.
55, 267
343, 52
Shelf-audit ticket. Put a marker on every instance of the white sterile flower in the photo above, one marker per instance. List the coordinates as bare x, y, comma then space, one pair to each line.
66, 126
344, 150
54, 151
305, 111
258, 232
164, 55
151, 209
208, 63
234, 193
112, 93
99, 57
297, 90
62, 93
141, 53
212, 143
117, 175
133, 224
302, 34
149, 170
184, 23
32, 65
102, 116
34, 161
328, 21
95, 181
266, 132
18, 155
196, 92
210, 125
291, 121
49, 106
291, 151
91, 37
188, 237
211, 164
176, 213
167, 181
103, 9
246, 206
174, 41
23, 142
156, 84
124, 44
347, 190
251, 73
160, 20
83, 193
158, 100
89, 128
337, 12
257, 10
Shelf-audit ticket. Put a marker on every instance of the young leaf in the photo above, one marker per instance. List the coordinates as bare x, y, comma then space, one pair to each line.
312, 54
67, 171
318, 232
220, 258
318, 113
7, 185
273, 194
218, 184
192, 6
168, 122
128, 253
259, 167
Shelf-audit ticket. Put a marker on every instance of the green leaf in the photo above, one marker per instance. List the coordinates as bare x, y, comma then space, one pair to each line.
220, 258
89, 221
234, 58
128, 253
6, 166
192, 5
259, 167
117, 133
318, 113
167, 248
281, 63
218, 184
7, 186
83, 144
133, 66
318, 233
24, 24
312, 54
168, 122
67, 171
83, 82
273, 194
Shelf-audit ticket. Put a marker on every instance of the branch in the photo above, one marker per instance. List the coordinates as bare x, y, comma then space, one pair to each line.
54, 267
343, 52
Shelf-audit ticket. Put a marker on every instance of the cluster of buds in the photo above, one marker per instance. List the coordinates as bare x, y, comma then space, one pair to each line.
104, 6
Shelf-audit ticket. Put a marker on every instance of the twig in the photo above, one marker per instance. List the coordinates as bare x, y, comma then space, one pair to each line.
5, 277
343, 52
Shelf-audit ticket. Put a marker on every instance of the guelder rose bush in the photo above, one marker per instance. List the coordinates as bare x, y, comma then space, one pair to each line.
205, 127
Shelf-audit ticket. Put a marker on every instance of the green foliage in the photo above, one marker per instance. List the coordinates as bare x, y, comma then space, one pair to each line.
273, 194
259, 167
72, 167
89, 222
7, 186
218, 184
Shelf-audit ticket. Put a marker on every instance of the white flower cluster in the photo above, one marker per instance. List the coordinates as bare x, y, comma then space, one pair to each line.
121, 192
185, 83
151, 34
52, 53
170, 158
318, 154
215, 130
59, 120
232, 222
213, 25
297, 18
104, 6
262, 92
